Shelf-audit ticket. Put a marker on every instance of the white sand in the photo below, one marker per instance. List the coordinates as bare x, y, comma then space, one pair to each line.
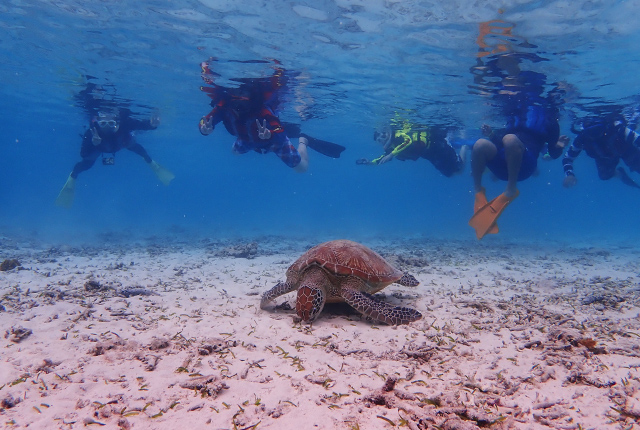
511, 337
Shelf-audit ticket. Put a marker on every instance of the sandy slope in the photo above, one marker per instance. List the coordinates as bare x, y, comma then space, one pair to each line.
170, 335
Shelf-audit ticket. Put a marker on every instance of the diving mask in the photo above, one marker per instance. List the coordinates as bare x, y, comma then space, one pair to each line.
107, 122
112, 123
383, 136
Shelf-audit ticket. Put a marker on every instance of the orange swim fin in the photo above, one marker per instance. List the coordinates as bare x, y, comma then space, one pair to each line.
484, 219
480, 202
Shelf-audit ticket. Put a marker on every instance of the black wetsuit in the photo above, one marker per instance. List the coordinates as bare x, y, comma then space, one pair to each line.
607, 142
429, 143
111, 143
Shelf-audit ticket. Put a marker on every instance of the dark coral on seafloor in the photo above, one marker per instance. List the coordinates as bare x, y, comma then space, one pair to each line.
9, 264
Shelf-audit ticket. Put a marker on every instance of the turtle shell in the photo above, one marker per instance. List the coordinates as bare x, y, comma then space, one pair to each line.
347, 258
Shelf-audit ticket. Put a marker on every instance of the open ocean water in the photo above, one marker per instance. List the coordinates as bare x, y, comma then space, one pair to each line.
136, 305
358, 64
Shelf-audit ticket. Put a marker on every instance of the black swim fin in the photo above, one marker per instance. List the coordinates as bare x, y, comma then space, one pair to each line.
329, 149
626, 179
292, 130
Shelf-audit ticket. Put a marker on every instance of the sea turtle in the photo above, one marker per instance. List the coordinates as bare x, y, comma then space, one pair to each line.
343, 271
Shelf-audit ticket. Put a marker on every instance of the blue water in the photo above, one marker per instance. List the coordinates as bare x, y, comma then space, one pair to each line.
360, 64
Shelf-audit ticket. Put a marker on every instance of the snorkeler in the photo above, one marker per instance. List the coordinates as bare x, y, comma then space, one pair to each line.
607, 140
249, 112
511, 153
409, 142
109, 132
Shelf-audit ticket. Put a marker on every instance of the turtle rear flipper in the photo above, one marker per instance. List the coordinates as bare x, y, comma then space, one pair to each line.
280, 289
408, 280
368, 306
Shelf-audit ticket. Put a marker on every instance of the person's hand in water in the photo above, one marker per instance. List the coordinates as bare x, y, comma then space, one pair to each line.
386, 159
569, 181
205, 126
154, 120
95, 138
562, 141
263, 132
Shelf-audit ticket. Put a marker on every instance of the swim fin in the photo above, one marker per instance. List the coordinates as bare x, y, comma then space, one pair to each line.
480, 202
292, 130
485, 218
329, 149
65, 197
626, 179
163, 175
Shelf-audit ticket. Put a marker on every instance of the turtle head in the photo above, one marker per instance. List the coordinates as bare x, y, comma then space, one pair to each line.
310, 302
293, 275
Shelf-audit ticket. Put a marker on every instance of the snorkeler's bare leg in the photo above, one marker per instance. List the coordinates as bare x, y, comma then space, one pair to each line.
514, 150
304, 155
483, 151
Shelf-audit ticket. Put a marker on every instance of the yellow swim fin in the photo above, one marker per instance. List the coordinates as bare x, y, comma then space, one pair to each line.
163, 175
65, 197
484, 219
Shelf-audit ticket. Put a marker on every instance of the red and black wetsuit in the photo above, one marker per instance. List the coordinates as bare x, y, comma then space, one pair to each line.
239, 108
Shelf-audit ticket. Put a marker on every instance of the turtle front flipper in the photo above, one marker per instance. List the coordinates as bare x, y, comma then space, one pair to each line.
312, 294
280, 289
370, 307
310, 301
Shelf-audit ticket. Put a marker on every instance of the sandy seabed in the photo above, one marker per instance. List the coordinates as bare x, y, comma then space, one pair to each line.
169, 334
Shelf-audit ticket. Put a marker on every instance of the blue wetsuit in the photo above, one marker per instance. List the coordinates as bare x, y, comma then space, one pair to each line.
532, 118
